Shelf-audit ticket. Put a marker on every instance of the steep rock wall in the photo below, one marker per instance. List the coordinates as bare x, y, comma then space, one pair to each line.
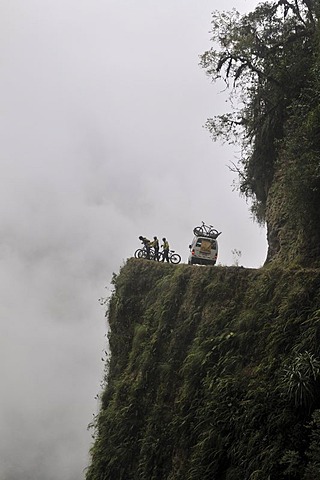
214, 374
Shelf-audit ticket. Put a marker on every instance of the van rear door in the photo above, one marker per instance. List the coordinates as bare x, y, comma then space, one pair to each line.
205, 246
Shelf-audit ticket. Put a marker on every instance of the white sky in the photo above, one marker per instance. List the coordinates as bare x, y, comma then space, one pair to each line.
102, 140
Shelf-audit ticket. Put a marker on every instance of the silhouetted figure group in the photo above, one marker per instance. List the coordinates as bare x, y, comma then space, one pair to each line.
148, 244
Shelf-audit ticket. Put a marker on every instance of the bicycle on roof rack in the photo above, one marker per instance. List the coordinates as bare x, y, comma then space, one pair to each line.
206, 231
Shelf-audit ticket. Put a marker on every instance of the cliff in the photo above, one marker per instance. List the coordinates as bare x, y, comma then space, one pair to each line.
214, 374
269, 59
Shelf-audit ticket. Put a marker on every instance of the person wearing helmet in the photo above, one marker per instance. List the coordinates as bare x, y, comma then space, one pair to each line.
165, 247
146, 244
155, 245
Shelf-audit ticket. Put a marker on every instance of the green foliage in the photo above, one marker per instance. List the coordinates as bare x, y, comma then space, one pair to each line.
295, 195
214, 373
301, 380
312, 471
292, 461
266, 58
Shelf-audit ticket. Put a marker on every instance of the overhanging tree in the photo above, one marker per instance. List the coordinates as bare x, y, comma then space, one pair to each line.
265, 58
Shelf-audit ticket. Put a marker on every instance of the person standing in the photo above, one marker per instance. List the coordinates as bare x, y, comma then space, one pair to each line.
146, 244
165, 247
155, 245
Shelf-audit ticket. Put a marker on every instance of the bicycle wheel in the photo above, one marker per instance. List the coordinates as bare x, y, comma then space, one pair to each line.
140, 253
198, 231
214, 233
152, 254
175, 258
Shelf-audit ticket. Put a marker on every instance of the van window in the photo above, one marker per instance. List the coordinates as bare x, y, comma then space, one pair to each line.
206, 246
199, 242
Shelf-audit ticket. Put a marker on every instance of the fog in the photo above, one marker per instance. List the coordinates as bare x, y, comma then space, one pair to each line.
102, 140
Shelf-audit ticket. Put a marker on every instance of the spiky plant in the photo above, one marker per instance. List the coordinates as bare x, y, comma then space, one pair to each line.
301, 378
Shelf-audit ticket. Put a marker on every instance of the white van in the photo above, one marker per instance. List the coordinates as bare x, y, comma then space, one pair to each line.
203, 251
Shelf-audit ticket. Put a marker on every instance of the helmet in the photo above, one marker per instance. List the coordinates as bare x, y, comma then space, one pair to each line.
164, 239
141, 237
155, 238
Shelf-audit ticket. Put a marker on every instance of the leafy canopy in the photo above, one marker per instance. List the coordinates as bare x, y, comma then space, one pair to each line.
264, 58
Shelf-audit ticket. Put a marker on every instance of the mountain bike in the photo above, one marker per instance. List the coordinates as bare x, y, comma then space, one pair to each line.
206, 231
173, 257
142, 253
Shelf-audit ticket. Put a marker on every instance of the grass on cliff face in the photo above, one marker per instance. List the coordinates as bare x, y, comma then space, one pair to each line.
214, 374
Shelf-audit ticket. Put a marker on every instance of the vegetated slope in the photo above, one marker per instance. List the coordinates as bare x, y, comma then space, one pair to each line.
214, 374
269, 59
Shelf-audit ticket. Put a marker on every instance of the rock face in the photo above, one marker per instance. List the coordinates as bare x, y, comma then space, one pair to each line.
214, 372
293, 212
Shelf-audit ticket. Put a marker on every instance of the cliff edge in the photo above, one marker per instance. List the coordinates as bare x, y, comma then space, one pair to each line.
214, 374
